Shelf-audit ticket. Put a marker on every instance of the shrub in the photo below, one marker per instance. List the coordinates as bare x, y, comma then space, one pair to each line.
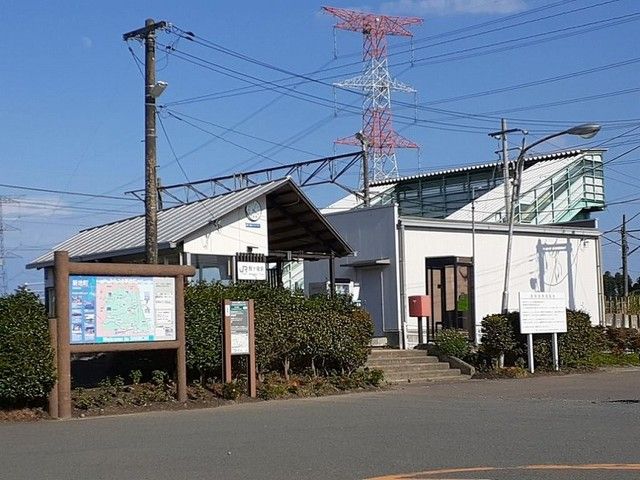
623, 339
581, 341
27, 373
202, 328
454, 343
291, 332
231, 390
498, 336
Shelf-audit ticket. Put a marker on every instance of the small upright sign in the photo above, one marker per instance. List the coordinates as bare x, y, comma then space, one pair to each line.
239, 323
238, 333
542, 312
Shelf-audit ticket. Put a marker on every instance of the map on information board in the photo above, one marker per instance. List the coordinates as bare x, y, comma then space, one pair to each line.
121, 309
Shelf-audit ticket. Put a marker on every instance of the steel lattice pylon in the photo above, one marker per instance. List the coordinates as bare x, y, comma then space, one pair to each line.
377, 84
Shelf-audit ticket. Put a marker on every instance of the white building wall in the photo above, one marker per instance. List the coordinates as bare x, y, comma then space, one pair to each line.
234, 233
544, 259
372, 232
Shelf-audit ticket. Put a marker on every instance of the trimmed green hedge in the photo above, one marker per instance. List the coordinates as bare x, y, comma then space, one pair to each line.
27, 372
577, 347
291, 331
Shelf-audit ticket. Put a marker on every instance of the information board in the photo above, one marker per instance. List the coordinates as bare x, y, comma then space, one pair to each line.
108, 309
238, 313
542, 312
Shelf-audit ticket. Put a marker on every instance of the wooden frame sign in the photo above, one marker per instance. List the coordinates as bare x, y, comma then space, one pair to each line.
115, 307
239, 338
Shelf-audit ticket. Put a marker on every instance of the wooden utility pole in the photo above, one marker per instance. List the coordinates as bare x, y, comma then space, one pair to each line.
625, 258
151, 92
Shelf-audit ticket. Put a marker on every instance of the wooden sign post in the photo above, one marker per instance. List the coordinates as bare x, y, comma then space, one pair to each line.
239, 338
91, 319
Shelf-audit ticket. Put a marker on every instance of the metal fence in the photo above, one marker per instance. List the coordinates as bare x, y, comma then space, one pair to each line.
621, 305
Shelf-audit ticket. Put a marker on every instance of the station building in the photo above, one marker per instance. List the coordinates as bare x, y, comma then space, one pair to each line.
444, 234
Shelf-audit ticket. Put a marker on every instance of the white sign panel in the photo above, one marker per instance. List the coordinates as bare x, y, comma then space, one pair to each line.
542, 312
252, 271
239, 321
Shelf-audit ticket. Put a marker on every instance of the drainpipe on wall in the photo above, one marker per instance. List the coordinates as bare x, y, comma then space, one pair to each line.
403, 293
601, 310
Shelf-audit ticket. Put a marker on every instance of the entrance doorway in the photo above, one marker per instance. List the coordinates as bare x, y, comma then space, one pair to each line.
450, 286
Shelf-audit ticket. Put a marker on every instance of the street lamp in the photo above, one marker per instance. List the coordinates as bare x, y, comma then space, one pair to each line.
587, 130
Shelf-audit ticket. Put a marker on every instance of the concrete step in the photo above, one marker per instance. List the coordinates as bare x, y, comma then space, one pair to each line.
452, 373
410, 366
390, 353
401, 361
427, 367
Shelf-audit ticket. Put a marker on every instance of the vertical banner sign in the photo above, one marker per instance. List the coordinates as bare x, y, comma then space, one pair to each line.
238, 333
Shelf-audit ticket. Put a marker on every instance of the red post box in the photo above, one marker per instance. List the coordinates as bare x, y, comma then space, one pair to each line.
420, 306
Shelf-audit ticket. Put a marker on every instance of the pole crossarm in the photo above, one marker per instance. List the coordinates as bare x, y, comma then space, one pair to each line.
306, 174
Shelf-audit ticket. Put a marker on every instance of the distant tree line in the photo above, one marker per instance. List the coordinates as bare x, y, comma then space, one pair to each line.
614, 284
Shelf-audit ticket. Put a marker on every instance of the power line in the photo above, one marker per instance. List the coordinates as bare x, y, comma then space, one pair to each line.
612, 21
63, 192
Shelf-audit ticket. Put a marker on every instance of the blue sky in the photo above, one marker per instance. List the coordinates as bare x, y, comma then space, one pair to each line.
71, 111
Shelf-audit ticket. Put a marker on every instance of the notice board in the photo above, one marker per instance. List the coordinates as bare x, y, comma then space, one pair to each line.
542, 312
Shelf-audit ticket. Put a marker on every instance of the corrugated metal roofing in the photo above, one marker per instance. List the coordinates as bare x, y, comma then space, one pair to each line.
174, 224
492, 202
470, 168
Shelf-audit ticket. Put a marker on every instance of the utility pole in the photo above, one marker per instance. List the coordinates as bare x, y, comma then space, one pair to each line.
4, 288
625, 257
152, 90
502, 135
505, 160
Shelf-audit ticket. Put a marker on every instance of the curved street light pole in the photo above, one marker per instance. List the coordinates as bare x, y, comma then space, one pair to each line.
587, 130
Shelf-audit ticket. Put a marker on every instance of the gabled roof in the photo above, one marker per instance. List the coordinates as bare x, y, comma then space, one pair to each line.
288, 209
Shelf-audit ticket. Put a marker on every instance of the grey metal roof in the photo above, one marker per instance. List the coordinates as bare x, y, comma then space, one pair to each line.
470, 168
174, 225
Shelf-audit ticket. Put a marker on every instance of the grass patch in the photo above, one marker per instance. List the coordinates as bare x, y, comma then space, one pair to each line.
615, 360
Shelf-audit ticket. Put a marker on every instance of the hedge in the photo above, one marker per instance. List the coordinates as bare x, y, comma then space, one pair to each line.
291, 331
27, 372
581, 342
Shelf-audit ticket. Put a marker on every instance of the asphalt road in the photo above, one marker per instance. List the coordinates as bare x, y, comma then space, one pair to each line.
577, 420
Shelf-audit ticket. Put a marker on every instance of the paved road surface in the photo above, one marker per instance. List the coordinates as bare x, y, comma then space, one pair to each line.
576, 420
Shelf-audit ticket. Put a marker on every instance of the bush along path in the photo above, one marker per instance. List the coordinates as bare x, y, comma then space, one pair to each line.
304, 347
582, 347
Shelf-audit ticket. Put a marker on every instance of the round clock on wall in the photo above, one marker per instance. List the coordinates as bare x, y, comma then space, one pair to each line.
253, 210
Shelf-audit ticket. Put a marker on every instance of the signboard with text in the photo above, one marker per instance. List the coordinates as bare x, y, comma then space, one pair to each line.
120, 309
238, 313
238, 339
542, 312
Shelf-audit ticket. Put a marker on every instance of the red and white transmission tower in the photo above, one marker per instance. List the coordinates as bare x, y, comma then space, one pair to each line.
377, 84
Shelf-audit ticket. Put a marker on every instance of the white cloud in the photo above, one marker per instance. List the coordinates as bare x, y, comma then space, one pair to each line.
452, 7
87, 42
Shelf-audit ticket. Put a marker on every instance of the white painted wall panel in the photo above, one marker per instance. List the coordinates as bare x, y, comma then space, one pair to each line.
540, 263
234, 234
